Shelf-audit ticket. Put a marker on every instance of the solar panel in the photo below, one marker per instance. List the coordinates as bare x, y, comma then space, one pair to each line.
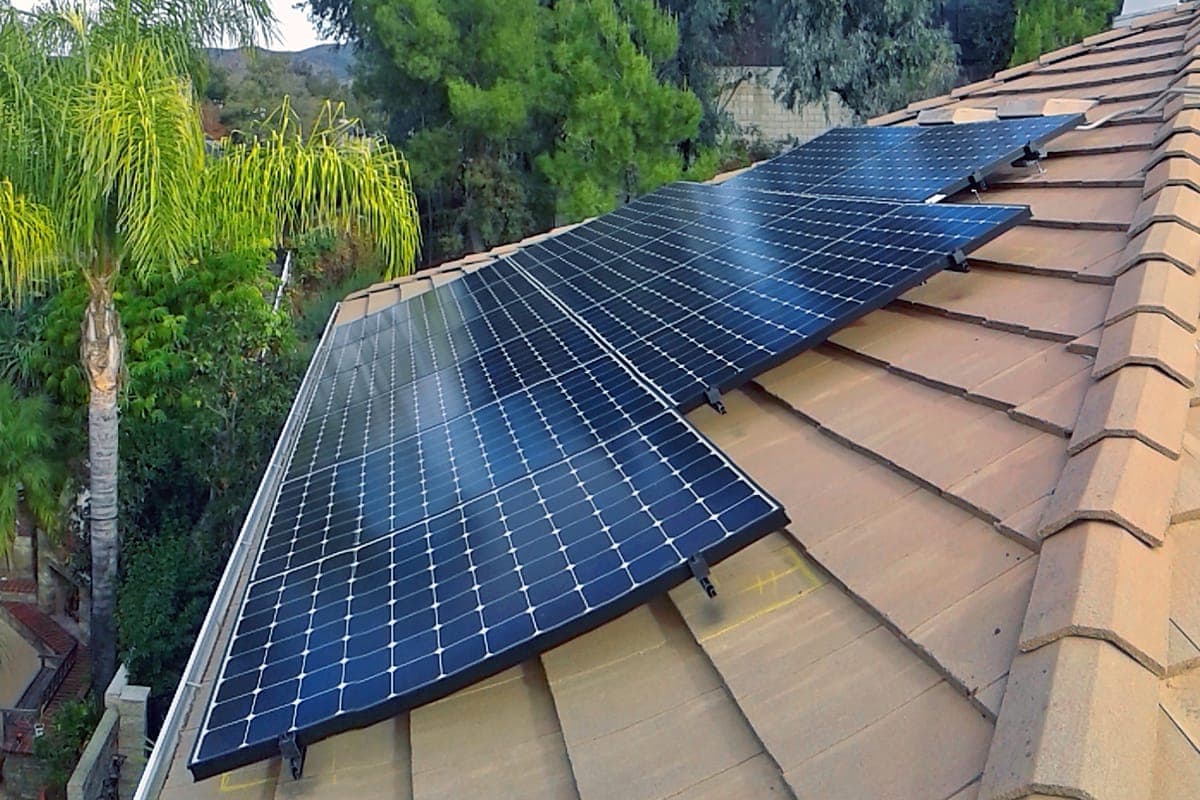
709, 303
902, 163
477, 479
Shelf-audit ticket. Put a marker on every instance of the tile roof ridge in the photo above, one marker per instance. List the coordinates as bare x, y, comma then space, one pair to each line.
1094, 643
1170, 18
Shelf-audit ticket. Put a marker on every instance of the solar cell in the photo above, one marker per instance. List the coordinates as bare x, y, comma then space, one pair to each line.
906, 163
477, 479
707, 305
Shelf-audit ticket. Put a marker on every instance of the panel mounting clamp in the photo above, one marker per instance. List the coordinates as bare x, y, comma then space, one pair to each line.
293, 753
958, 261
699, 568
713, 395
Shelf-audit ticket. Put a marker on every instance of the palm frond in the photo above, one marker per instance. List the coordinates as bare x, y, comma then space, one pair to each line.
28, 245
138, 156
334, 178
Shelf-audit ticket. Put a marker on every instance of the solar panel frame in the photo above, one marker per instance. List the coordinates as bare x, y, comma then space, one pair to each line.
659, 412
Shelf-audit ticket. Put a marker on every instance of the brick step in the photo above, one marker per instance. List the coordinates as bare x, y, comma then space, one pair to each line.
41, 625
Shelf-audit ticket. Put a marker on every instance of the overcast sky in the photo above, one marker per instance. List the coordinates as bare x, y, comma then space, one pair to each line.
295, 31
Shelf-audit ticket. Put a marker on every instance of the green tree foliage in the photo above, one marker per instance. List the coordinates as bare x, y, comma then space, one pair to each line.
516, 113
1045, 25
104, 172
876, 55
212, 371
983, 30
707, 33
31, 475
58, 750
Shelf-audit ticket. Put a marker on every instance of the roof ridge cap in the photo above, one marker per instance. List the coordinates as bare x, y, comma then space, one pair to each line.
1102, 573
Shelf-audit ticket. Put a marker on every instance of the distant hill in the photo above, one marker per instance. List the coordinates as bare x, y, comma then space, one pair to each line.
331, 59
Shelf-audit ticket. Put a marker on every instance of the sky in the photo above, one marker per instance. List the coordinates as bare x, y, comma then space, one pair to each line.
295, 32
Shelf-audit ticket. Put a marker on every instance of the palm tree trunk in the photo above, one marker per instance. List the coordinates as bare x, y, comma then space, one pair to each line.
102, 350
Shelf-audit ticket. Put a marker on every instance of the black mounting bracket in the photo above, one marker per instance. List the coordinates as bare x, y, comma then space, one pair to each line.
699, 568
976, 182
713, 395
1032, 154
293, 753
958, 261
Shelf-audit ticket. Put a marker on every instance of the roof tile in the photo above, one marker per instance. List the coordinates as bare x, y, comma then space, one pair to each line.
1157, 287
975, 638
1119, 480
1184, 549
1178, 204
1138, 402
1176, 767
1186, 505
1149, 339
530, 760
957, 115
368, 764
1043, 106
1077, 720
1056, 409
946, 756
1096, 580
1173, 172
1166, 241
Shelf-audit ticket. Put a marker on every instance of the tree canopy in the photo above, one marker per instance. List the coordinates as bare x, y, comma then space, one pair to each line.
518, 113
1045, 25
876, 56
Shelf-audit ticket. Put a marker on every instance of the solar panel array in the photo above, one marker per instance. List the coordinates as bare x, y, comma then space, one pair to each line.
500, 464
477, 479
901, 163
701, 287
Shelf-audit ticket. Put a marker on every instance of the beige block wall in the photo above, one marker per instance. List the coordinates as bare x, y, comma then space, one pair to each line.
750, 100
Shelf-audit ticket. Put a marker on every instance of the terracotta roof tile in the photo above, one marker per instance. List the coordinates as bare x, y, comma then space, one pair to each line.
456, 752
1165, 241
1013, 481
1176, 204
640, 680
1045, 307
1056, 409
1078, 717
1176, 767
946, 756
918, 559
975, 638
957, 115
1148, 339
1181, 172
1186, 505
1157, 287
1096, 580
1028, 379
1184, 549
1105, 140
1057, 252
1138, 402
1118, 480
367, 764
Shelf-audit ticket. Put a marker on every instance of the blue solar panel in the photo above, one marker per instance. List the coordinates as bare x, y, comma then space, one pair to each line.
477, 479
713, 303
901, 163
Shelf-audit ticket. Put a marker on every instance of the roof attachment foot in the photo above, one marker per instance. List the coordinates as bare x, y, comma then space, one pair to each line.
713, 395
1033, 156
699, 569
958, 261
293, 753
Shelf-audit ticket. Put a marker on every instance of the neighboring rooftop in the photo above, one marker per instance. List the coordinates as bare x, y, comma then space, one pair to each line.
991, 589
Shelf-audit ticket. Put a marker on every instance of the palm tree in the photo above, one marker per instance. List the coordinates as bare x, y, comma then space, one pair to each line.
103, 169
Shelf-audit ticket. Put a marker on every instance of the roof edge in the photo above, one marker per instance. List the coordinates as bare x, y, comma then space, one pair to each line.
1101, 575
